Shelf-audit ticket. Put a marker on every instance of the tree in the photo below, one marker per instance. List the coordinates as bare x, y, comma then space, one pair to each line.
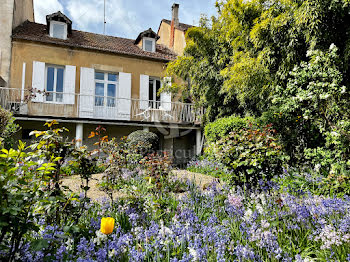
237, 61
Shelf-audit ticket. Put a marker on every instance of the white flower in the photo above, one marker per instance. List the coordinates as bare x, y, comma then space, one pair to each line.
262, 199
193, 253
335, 134
329, 237
343, 89
100, 237
332, 46
260, 209
164, 231
248, 214
317, 167
265, 224
324, 96
69, 244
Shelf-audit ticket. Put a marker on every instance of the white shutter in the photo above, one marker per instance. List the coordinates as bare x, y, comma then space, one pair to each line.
144, 91
69, 85
38, 81
165, 97
124, 96
87, 91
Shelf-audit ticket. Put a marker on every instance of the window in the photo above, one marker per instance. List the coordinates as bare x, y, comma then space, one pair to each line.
149, 44
54, 83
58, 30
154, 86
105, 89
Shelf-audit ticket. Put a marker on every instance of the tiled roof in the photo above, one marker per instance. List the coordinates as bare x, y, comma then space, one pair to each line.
182, 27
38, 32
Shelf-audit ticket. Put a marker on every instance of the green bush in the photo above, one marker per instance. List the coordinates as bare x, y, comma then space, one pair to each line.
7, 127
311, 112
144, 142
223, 126
251, 153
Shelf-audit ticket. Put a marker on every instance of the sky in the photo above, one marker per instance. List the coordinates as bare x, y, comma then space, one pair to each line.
125, 18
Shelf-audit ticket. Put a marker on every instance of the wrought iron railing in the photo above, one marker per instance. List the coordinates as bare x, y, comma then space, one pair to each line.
26, 102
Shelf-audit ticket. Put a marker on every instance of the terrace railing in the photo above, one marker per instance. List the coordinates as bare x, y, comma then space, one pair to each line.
24, 102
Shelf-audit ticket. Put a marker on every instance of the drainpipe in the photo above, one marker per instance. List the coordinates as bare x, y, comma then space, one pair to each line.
79, 134
198, 142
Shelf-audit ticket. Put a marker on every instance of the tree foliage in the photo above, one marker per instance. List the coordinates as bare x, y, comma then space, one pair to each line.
236, 60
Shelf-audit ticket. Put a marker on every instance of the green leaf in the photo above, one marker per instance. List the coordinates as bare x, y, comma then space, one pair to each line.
39, 244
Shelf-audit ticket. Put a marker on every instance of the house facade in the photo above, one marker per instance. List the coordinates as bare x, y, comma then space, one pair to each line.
83, 80
12, 14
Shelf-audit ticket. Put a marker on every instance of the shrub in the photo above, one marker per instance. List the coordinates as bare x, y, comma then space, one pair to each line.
223, 126
146, 142
251, 153
7, 127
311, 112
157, 169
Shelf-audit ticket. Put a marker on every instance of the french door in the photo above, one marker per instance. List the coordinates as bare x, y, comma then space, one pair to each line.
106, 85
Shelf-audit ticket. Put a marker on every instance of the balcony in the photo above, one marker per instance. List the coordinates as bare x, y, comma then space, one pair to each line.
24, 102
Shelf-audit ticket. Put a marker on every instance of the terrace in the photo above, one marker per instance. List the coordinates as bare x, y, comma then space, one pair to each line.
23, 102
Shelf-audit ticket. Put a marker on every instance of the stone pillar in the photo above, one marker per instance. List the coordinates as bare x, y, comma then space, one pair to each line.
79, 134
198, 142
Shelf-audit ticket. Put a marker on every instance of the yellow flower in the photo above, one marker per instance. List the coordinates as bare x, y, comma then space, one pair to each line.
107, 225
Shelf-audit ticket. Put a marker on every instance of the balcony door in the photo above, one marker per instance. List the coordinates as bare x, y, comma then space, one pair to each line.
106, 85
154, 97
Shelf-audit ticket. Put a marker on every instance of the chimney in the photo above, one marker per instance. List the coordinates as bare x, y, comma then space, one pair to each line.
174, 22
175, 14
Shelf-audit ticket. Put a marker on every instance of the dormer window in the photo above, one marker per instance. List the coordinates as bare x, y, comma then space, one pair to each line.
147, 40
58, 30
149, 44
59, 25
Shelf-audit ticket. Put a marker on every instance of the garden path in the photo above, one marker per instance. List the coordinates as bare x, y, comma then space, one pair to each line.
74, 183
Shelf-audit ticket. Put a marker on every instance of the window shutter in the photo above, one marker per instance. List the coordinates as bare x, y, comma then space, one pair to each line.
165, 97
69, 85
38, 81
144, 91
124, 96
87, 91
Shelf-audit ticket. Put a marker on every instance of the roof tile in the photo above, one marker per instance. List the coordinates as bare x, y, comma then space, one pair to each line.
182, 27
37, 32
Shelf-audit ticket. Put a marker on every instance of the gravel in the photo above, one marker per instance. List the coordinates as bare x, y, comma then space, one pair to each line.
74, 183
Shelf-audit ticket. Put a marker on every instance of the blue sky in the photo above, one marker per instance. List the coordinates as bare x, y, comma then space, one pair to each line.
125, 18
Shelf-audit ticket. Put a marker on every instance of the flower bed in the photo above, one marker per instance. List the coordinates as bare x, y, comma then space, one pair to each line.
214, 225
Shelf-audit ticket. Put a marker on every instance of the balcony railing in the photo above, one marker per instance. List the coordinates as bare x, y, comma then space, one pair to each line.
24, 102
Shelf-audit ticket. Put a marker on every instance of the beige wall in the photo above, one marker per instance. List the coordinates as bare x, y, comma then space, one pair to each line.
23, 10
164, 33
179, 39
12, 13
28, 52
179, 42
6, 15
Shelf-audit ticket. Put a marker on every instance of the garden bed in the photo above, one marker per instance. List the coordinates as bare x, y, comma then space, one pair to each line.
95, 193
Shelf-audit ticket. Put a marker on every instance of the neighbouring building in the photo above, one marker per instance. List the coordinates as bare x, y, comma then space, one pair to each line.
172, 33
83, 80
12, 14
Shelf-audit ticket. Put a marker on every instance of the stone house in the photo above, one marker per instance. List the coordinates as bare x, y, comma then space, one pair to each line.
83, 80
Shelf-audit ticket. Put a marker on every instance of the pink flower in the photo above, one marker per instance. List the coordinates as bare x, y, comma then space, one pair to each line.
235, 201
